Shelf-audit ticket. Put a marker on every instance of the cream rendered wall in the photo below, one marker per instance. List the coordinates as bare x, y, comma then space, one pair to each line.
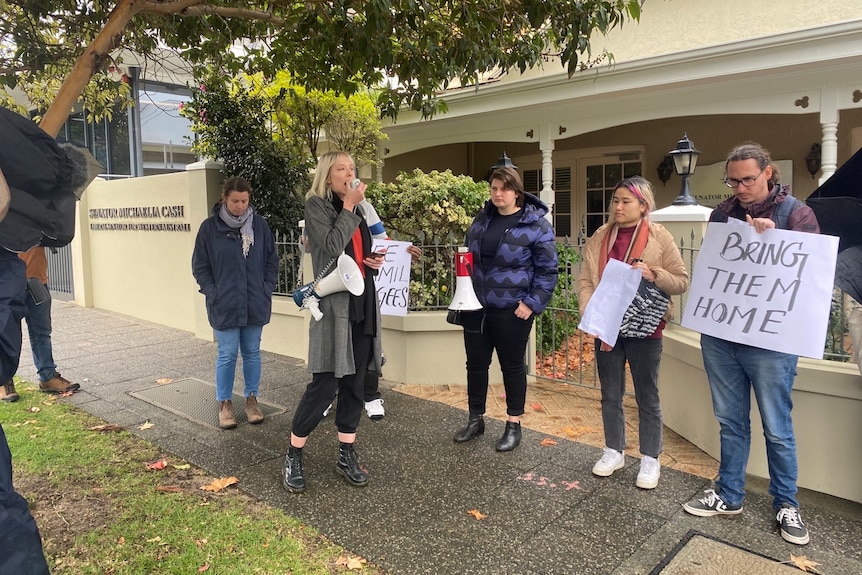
673, 26
827, 416
146, 274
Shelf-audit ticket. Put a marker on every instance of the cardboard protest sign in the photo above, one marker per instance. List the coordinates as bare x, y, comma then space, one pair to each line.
393, 279
771, 290
608, 304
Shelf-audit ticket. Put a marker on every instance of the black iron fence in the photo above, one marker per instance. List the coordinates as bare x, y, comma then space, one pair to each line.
563, 353
60, 277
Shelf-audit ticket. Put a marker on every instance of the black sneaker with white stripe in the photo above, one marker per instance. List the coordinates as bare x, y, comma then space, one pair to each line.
790, 523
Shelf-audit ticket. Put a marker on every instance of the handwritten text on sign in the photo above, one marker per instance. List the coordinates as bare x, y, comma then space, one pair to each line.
393, 279
771, 290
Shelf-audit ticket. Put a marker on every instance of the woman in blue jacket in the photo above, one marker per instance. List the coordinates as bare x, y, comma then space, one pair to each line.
514, 275
236, 266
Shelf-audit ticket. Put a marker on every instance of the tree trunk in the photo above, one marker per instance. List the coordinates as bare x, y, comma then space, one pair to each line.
87, 65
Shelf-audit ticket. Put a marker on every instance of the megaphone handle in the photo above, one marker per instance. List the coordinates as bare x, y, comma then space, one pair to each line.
311, 305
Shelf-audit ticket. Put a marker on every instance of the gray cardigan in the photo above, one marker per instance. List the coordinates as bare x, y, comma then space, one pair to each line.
330, 340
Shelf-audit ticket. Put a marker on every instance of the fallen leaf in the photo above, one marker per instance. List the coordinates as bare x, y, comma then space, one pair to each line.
157, 465
34, 409
182, 466
353, 563
28, 422
201, 542
67, 394
219, 484
477, 514
165, 380
803, 563
146, 425
155, 539
107, 427
121, 541
203, 568
547, 442
570, 431
169, 488
537, 407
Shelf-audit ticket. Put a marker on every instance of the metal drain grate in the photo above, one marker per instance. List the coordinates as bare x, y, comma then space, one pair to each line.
707, 555
195, 399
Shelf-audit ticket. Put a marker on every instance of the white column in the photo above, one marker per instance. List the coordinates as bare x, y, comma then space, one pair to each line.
546, 145
829, 125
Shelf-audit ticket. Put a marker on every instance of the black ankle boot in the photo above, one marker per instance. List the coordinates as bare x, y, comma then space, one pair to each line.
511, 437
348, 465
475, 427
294, 481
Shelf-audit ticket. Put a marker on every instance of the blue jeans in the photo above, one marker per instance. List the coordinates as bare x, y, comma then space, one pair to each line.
733, 369
39, 327
245, 339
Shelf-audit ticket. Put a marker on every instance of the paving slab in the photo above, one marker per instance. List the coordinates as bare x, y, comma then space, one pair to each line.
543, 512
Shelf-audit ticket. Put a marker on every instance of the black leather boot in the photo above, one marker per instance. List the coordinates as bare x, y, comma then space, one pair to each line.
511, 437
348, 465
294, 481
475, 427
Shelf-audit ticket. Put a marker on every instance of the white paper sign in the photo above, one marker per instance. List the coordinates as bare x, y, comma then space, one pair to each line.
393, 279
615, 292
771, 290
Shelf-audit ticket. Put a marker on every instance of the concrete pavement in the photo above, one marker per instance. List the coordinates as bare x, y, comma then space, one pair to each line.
545, 511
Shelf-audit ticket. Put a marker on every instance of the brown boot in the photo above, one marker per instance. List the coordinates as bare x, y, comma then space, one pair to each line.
7, 392
252, 410
58, 384
226, 419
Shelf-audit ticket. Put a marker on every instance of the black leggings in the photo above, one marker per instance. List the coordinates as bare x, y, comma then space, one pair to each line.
351, 388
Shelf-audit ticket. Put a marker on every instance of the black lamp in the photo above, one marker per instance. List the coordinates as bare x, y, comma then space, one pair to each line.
665, 169
812, 160
684, 161
504, 162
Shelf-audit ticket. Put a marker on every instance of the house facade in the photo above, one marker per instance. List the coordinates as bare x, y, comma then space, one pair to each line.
787, 75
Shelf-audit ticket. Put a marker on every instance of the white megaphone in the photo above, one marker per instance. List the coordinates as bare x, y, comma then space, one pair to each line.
345, 277
465, 297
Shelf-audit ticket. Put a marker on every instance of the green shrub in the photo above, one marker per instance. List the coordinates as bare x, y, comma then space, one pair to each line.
432, 210
557, 323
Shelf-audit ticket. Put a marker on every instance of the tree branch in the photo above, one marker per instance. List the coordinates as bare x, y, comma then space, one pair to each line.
191, 8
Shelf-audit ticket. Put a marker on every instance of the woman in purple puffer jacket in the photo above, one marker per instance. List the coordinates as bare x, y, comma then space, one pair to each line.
514, 275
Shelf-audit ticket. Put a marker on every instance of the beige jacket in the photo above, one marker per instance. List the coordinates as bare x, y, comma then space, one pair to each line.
661, 255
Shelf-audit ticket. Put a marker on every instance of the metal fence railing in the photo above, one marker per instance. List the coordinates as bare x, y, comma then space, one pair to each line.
60, 278
563, 353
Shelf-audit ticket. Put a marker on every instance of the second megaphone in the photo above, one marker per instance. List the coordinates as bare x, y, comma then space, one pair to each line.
345, 277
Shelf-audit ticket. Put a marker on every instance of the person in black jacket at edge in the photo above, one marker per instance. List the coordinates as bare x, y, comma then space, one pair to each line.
20, 544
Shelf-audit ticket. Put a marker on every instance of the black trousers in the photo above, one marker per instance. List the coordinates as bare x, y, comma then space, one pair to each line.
323, 387
501, 331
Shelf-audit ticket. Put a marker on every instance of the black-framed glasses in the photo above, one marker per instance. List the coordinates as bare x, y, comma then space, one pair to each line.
747, 181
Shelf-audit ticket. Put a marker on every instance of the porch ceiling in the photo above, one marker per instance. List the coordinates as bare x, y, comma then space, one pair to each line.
760, 76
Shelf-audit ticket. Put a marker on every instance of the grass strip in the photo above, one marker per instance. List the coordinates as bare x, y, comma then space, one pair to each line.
101, 511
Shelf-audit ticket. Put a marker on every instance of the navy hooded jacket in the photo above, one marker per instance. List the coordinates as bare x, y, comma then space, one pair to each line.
525, 265
238, 289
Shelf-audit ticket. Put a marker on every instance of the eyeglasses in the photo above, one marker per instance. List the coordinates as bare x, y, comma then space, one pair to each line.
747, 181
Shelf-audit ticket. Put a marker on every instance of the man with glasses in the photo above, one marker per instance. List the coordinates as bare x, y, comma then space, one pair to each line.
734, 368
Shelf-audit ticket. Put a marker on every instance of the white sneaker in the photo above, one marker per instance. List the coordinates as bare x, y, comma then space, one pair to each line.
328, 409
649, 473
375, 409
610, 462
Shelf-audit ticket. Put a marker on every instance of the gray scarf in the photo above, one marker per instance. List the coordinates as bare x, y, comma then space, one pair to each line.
245, 223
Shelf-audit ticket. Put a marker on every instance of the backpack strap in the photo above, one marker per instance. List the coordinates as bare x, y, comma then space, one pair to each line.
783, 211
